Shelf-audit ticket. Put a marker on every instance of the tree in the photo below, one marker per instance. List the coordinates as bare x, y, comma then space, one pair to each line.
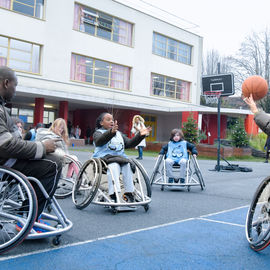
239, 135
253, 59
190, 129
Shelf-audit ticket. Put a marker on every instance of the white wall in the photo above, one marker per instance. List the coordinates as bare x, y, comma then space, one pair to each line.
59, 40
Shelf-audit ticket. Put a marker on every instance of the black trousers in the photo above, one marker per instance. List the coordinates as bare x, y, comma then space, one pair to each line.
46, 170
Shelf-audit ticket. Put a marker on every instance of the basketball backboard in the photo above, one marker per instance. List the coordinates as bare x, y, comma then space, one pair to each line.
220, 82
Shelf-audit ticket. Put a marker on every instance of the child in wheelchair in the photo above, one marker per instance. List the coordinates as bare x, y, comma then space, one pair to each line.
110, 146
176, 155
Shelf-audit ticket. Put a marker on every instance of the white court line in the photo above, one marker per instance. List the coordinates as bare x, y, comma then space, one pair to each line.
116, 235
222, 222
225, 211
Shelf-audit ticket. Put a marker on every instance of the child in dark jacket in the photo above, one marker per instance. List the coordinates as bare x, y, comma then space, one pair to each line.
110, 144
176, 153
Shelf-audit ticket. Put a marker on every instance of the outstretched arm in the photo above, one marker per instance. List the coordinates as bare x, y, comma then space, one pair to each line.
251, 103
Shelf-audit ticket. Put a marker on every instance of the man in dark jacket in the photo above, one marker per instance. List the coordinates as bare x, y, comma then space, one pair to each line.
28, 157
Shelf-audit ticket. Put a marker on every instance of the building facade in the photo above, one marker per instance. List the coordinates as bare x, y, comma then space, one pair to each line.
77, 59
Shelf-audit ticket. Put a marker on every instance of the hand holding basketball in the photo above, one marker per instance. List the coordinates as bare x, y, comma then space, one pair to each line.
255, 85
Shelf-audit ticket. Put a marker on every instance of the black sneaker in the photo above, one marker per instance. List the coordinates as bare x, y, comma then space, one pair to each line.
128, 197
182, 180
113, 197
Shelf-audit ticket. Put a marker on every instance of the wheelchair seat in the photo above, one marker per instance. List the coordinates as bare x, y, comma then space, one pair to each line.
18, 211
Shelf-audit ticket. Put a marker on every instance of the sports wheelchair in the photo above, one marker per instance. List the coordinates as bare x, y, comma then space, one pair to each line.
70, 170
193, 174
92, 186
258, 217
18, 211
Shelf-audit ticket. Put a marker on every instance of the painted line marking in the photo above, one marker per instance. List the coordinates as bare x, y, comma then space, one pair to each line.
121, 234
222, 222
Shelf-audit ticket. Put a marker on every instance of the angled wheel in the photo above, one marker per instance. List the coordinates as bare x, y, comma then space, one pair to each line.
18, 208
258, 217
141, 182
157, 174
196, 172
70, 171
87, 183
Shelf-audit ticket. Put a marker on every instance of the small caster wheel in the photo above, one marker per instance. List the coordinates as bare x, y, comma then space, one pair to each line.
114, 211
56, 241
162, 188
188, 189
146, 207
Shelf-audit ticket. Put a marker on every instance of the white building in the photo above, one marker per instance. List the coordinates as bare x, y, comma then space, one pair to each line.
77, 59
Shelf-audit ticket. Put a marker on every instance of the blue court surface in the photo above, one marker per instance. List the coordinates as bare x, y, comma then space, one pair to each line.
215, 241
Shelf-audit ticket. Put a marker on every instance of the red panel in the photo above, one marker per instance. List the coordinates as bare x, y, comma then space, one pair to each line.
209, 126
39, 110
250, 125
63, 110
185, 116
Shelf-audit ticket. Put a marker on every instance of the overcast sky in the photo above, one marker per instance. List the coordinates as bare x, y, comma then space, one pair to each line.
223, 24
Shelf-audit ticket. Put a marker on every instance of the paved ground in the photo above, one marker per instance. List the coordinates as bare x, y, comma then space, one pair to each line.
181, 230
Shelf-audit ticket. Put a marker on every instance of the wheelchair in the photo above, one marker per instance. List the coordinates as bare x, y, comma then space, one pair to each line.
18, 211
258, 217
193, 175
92, 186
70, 171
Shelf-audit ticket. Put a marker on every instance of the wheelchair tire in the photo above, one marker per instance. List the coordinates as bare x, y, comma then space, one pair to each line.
145, 177
85, 186
198, 173
15, 189
156, 169
65, 183
258, 217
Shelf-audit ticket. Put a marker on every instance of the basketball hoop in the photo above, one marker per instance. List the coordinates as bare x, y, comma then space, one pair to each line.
211, 97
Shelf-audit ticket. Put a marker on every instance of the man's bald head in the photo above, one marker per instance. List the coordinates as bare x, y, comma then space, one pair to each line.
8, 83
6, 73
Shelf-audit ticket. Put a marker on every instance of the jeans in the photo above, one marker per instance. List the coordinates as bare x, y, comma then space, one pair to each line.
140, 151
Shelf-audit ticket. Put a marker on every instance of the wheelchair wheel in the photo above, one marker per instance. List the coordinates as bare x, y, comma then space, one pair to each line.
157, 174
198, 172
194, 173
18, 208
258, 217
141, 182
87, 183
70, 171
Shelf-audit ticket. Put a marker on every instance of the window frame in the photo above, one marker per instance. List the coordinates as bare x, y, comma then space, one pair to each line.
167, 92
177, 49
31, 63
94, 68
25, 14
94, 22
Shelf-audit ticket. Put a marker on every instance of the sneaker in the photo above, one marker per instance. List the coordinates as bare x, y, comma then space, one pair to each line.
128, 197
140, 158
37, 229
176, 180
182, 180
113, 197
266, 161
170, 180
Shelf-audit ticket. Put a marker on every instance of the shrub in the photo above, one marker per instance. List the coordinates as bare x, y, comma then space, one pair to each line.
258, 141
239, 135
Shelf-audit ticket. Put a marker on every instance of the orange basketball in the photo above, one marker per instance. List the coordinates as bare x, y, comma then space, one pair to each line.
255, 85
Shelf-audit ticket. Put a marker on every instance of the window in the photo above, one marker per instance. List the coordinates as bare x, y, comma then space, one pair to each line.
170, 87
93, 71
32, 8
171, 49
99, 24
19, 55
